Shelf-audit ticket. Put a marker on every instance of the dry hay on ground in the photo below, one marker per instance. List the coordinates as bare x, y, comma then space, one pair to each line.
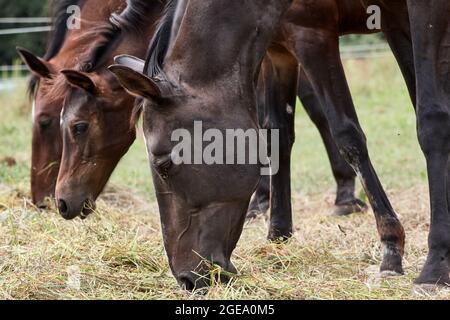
117, 253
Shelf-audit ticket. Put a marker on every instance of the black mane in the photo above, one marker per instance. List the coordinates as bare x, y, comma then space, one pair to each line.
133, 19
159, 45
57, 36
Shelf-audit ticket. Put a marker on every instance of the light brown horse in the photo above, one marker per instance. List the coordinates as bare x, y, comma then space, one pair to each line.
76, 61
64, 51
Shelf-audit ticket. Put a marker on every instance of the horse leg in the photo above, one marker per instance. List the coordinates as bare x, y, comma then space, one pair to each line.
280, 77
396, 28
430, 31
261, 199
346, 203
260, 202
318, 51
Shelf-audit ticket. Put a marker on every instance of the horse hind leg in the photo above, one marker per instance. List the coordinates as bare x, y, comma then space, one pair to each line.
319, 55
346, 203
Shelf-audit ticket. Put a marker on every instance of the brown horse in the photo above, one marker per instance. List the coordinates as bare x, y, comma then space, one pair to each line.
64, 45
94, 45
46, 144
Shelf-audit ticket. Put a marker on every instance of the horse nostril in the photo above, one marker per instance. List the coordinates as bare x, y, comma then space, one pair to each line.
62, 207
187, 283
41, 206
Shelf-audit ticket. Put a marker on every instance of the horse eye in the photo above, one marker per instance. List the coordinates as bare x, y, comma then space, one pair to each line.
163, 165
80, 128
44, 122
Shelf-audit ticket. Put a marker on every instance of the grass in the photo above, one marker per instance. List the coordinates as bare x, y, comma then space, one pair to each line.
118, 253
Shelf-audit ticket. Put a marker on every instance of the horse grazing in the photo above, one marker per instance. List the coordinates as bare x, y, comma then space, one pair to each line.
202, 207
46, 142
94, 134
91, 97
64, 48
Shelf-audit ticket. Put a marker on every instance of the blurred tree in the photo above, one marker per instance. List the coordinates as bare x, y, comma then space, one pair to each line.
35, 42
357, 39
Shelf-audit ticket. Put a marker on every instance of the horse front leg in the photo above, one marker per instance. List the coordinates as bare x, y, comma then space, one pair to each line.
318, 52
396, 28
346, 203
430, 31
277, 112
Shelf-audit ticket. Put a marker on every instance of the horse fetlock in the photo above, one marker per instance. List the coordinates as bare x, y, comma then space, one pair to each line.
279, 233
392, 258
354, 205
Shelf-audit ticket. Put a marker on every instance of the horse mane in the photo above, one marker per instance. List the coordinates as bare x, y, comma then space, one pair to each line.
132, 20
159, 45
57, 36
156, 54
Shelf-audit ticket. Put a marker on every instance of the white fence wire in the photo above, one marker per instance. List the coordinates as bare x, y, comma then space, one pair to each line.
8, 20
25, 30
365, 51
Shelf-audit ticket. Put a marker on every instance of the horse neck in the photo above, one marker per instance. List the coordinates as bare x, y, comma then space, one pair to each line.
222, 38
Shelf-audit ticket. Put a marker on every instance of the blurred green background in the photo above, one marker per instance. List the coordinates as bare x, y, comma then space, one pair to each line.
33, 41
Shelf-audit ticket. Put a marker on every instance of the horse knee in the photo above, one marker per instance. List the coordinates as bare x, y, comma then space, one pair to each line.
434, 131
351, 143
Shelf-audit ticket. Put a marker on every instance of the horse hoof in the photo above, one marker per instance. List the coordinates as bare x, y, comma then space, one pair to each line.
345, 209
279, 237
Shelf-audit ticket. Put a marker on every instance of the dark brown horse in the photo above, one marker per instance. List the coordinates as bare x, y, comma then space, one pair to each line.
202, 207
310, 32
418, 33
430, 29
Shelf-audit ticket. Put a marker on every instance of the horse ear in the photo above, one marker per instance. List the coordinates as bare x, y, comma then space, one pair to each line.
131, 62
36, 65
80, 80
136, 83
